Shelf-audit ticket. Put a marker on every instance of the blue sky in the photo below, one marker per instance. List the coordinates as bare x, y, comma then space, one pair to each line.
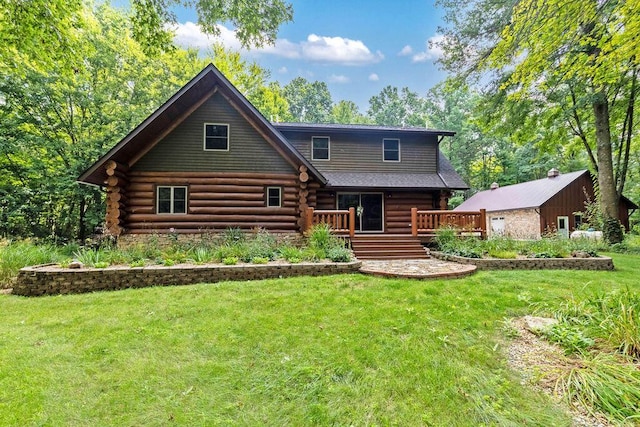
356, 46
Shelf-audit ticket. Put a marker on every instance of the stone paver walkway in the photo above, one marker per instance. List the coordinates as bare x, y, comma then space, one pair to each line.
416, 268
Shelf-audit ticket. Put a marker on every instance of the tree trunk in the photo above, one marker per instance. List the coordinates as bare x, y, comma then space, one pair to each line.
608, 192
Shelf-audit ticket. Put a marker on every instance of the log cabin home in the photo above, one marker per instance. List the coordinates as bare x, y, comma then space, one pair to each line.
207, 160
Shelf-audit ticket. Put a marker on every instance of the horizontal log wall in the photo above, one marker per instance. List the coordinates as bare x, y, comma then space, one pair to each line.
215, 201
397, 207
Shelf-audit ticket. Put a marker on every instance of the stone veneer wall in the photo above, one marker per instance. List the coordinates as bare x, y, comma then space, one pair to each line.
518, 223
594, 263
50, 280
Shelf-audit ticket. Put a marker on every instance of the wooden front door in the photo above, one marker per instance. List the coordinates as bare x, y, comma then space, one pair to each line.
369, 209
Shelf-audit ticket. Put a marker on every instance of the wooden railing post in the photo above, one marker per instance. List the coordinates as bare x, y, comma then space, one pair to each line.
414, 222
309, 218
352, 222
483, 222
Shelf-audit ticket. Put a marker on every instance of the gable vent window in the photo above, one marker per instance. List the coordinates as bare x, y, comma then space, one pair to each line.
172, 200
274, 197
320, 148
391, 150
216, 137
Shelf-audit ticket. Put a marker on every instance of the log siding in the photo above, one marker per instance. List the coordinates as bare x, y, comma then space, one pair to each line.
215, 201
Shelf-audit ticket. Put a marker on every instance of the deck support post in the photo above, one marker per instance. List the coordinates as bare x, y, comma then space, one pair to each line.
309, 219
414, 222
483, 222
352, 222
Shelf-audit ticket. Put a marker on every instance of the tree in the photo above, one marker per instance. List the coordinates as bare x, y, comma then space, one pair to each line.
347, 112
397, 108
54, 124
578, 55
308, 102
42, 32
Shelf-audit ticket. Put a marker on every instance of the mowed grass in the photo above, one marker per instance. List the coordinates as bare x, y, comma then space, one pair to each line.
341, 350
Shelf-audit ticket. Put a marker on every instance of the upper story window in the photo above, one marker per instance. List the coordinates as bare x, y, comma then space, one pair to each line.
391, 150
320, 148
171, 200
274, 197
216, 136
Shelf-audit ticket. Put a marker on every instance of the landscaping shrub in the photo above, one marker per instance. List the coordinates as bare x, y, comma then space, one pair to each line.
17, 254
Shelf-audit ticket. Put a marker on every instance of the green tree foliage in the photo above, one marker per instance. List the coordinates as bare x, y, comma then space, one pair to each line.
56, 121
397, 108
347, 112
577, 58
309, 102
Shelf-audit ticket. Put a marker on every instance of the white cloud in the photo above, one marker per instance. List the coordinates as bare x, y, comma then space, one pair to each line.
406, 51
189, 34
338, 50
283, 70
338, 79
432, 51
334, 50
373, 77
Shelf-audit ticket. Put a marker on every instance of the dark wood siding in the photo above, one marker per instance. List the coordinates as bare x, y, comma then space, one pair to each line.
571, 199
363, 152
182, 149
215, 201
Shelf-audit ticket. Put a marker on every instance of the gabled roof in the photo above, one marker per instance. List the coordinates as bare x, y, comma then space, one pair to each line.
177, 109
531, 194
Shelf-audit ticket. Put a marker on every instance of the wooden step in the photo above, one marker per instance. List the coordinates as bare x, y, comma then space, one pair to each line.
388, 246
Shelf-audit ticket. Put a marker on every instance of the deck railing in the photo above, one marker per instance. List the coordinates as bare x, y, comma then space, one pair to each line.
464, 222
340, 221
422, 222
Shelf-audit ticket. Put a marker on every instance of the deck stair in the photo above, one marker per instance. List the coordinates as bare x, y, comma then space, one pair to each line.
387, 246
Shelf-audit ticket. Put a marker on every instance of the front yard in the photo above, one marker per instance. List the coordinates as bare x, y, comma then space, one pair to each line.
340, 350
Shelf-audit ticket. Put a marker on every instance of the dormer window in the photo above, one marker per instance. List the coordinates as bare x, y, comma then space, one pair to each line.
320, 148
391, 150
216, 137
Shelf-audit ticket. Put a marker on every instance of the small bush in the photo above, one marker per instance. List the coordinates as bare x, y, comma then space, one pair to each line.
339, 254
569, 337
259, 260
231, 260
101, 264
291, 253
233, 235
320, 236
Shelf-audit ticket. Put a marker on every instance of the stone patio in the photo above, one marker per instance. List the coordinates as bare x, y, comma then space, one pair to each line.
416, 268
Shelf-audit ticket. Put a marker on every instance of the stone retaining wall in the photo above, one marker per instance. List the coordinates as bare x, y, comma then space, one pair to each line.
594, 263
52, 280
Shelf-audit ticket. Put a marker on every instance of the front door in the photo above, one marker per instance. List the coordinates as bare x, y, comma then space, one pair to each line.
369, 208
563, 226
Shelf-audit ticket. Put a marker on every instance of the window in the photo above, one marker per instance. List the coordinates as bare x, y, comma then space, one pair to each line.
216, 137
577, 218
274, 197
172, 200
320, 148
391, 150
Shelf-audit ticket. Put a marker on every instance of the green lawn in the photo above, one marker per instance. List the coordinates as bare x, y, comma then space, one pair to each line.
342, 350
